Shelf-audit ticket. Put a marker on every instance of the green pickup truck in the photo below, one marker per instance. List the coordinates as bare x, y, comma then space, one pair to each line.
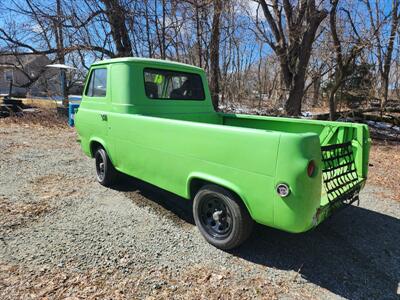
154, 120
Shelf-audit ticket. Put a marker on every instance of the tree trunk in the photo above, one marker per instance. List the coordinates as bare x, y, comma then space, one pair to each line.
214, 53
163, 46
198, 35
388, 56
116, 18
316, 89
332, 100
296, 93
385, 92
332, 106
58, 30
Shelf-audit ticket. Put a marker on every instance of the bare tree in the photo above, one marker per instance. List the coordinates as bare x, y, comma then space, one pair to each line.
293, 29
344, 62
384, 46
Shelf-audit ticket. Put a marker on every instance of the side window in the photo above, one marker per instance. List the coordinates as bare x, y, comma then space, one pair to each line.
97, 86
172, 85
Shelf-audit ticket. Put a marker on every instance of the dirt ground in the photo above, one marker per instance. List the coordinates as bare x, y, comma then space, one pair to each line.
62, 235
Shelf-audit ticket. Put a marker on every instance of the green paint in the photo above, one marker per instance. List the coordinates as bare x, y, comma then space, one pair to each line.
172, 143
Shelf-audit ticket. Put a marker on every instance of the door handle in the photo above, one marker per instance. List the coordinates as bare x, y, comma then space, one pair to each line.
103, 117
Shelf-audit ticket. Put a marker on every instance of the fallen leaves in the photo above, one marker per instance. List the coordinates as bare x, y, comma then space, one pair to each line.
42, 117
384, 169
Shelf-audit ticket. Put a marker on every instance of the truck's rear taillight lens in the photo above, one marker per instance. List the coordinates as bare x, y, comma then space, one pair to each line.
311, 168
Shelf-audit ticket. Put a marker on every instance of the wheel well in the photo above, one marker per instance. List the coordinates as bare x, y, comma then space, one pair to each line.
94, 146
196, 184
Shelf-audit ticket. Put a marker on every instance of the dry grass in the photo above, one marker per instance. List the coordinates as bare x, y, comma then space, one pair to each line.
48, 186
198, 282
45, 189
41, 103
41, 117
384, 169
16, 214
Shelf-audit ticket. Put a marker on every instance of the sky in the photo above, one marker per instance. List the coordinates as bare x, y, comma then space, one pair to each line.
358, 10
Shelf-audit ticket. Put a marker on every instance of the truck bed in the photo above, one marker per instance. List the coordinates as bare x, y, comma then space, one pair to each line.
355, 136
329, 132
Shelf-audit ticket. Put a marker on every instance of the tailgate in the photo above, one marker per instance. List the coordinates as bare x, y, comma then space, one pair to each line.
341, 182
344, 152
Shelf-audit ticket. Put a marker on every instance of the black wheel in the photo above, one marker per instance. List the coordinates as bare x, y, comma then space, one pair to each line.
106, 173
222, 219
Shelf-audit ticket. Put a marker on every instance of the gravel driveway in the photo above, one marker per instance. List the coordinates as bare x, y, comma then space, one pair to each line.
64, 235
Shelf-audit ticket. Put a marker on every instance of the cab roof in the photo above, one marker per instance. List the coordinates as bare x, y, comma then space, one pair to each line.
149, 61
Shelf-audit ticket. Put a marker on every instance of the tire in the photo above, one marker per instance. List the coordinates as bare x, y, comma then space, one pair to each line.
105, 172
221, 218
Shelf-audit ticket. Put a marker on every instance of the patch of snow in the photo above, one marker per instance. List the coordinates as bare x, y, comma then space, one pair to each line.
383, 125
307, 114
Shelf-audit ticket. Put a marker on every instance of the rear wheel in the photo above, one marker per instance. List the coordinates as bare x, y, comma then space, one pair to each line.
105, 171
221, 218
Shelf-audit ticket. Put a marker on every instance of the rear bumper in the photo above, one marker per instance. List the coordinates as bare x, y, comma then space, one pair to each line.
347, 199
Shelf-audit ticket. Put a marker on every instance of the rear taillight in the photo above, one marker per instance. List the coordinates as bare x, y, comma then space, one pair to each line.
311, 168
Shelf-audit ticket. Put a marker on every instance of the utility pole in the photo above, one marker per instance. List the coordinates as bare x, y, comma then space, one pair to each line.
60, 51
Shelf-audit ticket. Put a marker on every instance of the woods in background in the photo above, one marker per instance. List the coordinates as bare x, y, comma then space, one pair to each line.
277, 54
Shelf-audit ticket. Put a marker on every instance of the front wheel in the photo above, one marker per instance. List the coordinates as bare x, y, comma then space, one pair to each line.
222, 219
105, 172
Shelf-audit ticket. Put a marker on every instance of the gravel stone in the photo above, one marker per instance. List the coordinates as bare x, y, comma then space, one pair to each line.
136, 228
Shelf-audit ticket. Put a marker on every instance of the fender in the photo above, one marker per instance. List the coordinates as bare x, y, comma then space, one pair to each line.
105, 146
219, 181
98, 140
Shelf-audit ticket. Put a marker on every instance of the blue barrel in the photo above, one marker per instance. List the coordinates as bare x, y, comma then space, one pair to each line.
72, 108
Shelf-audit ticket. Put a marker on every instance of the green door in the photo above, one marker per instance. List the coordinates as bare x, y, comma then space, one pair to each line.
96, 100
